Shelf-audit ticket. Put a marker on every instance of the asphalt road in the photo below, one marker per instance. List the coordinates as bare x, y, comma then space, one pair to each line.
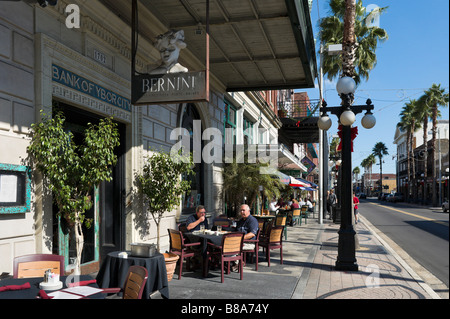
423, 233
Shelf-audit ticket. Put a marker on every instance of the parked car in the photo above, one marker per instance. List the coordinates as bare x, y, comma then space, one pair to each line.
445, 206
362, 195
388, 198
382, 196
397, 197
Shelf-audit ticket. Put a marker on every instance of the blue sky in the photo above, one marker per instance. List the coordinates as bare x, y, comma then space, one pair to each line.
415, 56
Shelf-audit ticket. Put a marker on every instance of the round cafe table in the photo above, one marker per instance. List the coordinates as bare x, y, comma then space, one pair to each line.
33, 291
114, 269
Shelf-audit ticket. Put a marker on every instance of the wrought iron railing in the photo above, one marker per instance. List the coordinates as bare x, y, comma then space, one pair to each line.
299, 108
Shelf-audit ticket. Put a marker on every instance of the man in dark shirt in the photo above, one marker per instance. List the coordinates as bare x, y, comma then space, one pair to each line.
247, 224
194, 221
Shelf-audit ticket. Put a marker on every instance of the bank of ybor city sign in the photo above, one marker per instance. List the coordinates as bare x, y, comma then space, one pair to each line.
170, 88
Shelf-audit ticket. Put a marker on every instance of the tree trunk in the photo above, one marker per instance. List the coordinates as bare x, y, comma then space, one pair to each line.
157, 238
79, 239
408, 147
349, 40
425, 161
413, 175
433, 155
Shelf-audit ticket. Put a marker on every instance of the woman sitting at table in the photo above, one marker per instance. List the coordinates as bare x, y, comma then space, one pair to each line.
194, 221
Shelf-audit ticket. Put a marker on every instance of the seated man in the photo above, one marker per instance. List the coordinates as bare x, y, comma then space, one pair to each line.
249, 226
194, 221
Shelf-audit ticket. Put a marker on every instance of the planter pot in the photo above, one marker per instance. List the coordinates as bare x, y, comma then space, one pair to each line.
171, 264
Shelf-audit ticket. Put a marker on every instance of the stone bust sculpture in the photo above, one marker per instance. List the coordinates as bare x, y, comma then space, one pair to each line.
169, 45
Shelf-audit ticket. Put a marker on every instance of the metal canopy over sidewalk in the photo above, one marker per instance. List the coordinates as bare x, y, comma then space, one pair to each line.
254, 45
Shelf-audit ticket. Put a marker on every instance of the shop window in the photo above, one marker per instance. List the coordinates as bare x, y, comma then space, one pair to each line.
14, 189
230, 124
248, 131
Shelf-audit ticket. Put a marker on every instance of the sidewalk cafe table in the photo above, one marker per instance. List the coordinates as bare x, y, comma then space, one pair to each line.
208, 236
114, 270
33, 291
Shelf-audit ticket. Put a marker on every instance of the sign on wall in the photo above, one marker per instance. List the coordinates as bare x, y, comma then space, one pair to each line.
169, 88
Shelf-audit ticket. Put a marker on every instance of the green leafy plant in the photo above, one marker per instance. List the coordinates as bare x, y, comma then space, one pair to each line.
161, 185
241, 178
71, 171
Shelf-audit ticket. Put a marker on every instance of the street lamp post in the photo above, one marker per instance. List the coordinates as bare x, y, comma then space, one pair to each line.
346, 86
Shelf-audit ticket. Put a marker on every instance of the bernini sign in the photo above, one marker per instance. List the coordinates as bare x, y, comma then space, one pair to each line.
170, 82
170, 87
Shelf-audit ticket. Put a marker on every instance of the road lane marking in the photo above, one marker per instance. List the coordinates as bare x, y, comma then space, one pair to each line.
411, 214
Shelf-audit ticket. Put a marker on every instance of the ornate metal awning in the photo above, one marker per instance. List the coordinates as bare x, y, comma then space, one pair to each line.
254, 44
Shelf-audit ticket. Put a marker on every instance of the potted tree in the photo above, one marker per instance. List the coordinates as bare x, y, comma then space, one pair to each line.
71, 171
161, 186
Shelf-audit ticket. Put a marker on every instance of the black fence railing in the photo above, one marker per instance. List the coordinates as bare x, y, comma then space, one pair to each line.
299, 109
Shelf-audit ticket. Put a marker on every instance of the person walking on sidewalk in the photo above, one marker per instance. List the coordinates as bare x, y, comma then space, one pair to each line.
333, 203
355, 207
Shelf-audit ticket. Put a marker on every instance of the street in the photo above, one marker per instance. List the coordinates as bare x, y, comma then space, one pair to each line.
423, 233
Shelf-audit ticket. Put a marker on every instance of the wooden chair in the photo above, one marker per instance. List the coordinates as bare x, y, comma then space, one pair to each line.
304, 213
280, 220
296, 215
180, 248
134, 284
229, 250
254, 250
273, 241
35, 265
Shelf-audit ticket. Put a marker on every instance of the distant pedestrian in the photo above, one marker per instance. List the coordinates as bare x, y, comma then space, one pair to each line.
333, 203
355, 208
328, 203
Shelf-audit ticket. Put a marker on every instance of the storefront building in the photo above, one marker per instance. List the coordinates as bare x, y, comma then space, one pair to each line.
49, 62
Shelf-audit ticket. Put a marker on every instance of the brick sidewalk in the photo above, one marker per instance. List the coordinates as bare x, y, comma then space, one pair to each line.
380, 275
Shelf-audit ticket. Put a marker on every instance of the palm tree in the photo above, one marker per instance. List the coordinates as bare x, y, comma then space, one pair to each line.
356, 172
244, 179
367, 163
435, 97
408, 122
347, 26
379, 150
424, 112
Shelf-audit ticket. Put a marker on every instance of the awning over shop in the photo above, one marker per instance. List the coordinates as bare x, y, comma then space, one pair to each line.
291, 181
254, 45
308, 189
298, 183
310, 183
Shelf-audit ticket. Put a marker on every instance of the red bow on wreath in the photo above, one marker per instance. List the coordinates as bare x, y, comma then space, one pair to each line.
354, 132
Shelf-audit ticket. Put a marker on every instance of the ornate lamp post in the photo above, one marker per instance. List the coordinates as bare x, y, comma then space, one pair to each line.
346, 86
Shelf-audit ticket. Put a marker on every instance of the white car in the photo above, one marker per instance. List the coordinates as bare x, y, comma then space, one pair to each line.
445, 206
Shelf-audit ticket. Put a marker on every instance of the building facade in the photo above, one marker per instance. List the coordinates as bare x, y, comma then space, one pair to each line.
417, 159
50, 63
